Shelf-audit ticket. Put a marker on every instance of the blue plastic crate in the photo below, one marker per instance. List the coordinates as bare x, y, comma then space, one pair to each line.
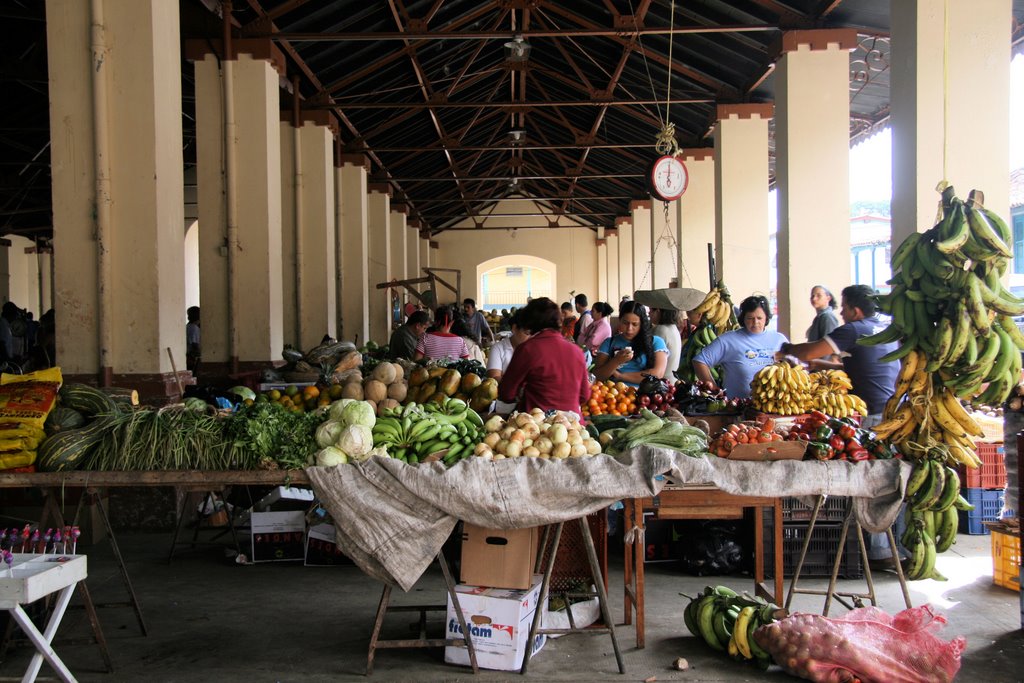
987, 503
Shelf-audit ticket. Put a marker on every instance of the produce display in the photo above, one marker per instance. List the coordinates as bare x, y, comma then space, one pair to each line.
533, 435
655, 431
417, 432
830, 393
611, 398
697, 398
730, 436
865, 644
694, 344
436, 382
727, 621
832, 438
785, 388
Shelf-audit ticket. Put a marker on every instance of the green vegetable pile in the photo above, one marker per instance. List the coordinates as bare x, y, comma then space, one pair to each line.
268, 436
652, 430
169, 438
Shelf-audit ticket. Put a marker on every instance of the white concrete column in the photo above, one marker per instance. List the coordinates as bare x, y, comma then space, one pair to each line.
640, 219
950, 106
812, 170
741, 198
426, 258
663, 248
602, 265
354, 247
291, 179
627, 284
256, 199
378, 226
413, 251
143, 203
318, 265
399, 258
698, 217
612, 266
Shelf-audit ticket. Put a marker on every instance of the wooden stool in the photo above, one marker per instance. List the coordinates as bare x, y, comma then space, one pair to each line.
600, 592
831, 593
422, 641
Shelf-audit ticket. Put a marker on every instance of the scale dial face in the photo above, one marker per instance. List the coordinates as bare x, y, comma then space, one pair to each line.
669, 178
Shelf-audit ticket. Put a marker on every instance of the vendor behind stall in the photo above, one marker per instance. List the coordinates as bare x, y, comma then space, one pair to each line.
743, 352
873, 381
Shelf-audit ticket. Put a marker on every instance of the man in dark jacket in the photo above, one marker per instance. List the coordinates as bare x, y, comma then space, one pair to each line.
403, 340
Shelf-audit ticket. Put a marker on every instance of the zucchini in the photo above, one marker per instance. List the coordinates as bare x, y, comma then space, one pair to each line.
87, 400
69, 449
61, 418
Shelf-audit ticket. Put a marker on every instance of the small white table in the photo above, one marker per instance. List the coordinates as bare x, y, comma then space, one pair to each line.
35, 577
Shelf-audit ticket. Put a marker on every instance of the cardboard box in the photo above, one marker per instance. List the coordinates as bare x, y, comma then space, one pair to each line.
499, 558
499, 621
278, 536
286, 498
321, 548
772, 450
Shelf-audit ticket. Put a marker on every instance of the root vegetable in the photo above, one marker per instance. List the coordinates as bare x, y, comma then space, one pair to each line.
494, 423
593, 447
577, 450
502, 446
558, 433
514, 449
573, 437
506, 432
531, 452
492, 439
517, 435
561, 450
543, 444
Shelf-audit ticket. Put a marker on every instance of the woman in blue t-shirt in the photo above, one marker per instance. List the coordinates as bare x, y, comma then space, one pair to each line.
634, 351
742, 352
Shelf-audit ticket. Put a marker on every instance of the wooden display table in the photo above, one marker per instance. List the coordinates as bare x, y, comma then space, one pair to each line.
697, 503
31, 578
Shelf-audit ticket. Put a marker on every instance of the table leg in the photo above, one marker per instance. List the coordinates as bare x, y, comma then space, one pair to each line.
42, 641
627, 563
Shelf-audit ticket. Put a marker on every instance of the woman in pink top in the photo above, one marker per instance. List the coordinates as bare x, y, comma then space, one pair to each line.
599, 330
440, 342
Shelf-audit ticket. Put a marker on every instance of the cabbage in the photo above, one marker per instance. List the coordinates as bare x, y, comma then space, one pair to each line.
355, 440
330, 456
358, 413
327, 433
338, 406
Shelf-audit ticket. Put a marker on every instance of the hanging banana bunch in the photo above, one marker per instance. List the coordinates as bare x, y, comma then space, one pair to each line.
717, 309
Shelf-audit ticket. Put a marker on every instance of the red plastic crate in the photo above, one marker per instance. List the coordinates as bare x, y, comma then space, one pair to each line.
992, 472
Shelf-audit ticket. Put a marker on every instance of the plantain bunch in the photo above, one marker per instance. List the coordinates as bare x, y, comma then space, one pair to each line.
717, 309
830, 393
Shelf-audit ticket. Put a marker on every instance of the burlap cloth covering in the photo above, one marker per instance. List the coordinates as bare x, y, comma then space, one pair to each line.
392, 518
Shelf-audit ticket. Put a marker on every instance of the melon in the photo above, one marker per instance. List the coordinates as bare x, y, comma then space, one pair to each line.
386, 404
399, 371
384, 373
375, 390
353, 390
398, 391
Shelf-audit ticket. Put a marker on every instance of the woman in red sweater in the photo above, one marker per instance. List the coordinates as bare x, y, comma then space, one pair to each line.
546, 371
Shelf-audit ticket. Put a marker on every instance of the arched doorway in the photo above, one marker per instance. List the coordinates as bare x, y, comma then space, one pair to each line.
510, 281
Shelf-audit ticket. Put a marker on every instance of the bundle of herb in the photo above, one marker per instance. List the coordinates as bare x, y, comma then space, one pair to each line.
267, 436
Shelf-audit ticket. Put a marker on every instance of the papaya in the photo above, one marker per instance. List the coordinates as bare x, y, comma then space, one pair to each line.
488, 389
436, 371
418, 376
437, 397
449, 382
470, 381
425, 391
479, 403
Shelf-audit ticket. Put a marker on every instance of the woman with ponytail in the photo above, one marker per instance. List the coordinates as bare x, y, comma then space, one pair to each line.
439, 342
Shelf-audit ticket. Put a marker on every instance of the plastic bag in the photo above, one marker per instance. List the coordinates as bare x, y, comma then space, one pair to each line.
866, 645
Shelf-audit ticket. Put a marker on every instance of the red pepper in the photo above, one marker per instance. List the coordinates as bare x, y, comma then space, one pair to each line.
837, 443
853, 445
818, 415
847, 432
859, 455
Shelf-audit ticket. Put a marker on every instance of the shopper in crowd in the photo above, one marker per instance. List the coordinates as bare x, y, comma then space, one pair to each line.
546, 371
825, 319
404, 339
8, 314
742, 352
598, 330
193, 349
666, 326
476, 323
569, 319
580, 301
460, 327
500, 355
634, 351
439, 341
44, 353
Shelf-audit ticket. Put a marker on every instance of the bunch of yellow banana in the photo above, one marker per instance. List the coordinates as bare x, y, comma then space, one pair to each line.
830, 393
925, 412
831, 380
717, 309
781, 389
949, 303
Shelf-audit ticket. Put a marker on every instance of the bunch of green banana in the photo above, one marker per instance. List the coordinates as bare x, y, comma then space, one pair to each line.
948, 301
695, 343
718, 310
415, 432
933, 499
726, 621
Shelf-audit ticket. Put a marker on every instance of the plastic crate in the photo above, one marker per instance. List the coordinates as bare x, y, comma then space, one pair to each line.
987, 504
821, 553
832, 510
571, 568
1006, 560
991, 474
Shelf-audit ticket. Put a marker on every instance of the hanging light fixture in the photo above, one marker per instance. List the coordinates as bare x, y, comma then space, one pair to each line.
518, 136
517, 50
